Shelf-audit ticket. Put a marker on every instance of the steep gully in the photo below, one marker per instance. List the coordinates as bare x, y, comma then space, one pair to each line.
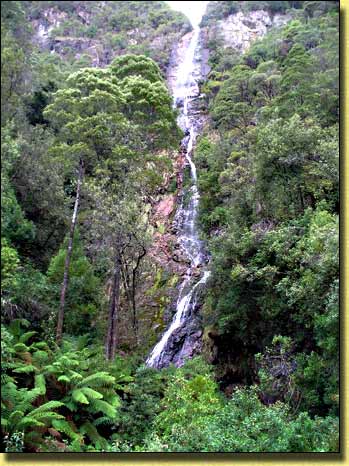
182, 338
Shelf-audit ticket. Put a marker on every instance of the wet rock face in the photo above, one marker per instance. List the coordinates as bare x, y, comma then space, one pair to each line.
184, 343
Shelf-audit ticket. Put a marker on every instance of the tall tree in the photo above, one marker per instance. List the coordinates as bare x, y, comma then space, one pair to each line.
112, 125
89, 123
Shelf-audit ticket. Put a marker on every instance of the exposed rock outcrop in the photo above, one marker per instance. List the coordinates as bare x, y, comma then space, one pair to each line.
239, 30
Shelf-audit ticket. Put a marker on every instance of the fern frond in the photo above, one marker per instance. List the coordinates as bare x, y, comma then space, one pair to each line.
92, 394
75, 375
26, 336
51, 369
97, 380
15, 417
113, 399
63, 378
47, 407
40, 356
21, 348
5, 379
41, 345
76, 445
104, 407
79, 397
103, 420
82, 342
92, 433
124, 378
15, 326
45, 415
40, 384
4, 422
70, 405
29, 421
25, 369
24, 398
65, 427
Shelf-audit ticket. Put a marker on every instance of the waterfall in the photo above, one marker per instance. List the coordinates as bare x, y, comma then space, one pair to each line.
177, 343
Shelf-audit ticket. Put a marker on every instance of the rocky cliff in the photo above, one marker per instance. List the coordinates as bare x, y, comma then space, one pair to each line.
93, 33
239, 30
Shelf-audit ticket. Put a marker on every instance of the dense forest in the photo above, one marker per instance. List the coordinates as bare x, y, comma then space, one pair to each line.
90, 267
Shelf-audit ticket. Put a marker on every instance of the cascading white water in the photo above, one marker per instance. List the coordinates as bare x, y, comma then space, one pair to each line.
185, 89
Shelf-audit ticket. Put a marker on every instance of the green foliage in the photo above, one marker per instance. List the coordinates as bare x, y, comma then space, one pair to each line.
83, 295
14, 226
9, 267
268, 177
62, 380
152, 27
219, 10
268, 181
142, 404
240, 424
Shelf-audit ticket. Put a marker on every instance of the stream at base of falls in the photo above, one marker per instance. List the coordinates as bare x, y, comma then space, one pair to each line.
182, 338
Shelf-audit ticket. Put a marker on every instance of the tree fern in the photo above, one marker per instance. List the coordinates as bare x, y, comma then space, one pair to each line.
104, 407
40, 357
66, 427
75, 376
16, 325
47, 407
92, 433
104, 420
26, 336
64, 378
21, 348
40, 384
25, 369
99, 379
91, 394
79, 397
41, 345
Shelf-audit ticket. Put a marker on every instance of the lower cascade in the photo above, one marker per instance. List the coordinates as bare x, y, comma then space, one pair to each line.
182, 338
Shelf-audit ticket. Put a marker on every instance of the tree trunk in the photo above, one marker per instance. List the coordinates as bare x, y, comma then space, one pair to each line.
111, 340
59, 329
134, 283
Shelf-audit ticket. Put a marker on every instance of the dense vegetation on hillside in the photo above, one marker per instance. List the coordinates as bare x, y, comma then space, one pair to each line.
268, 174
85, 152
93, 32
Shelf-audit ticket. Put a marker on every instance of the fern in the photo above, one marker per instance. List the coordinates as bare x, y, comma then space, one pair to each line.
91, 394
29, 422
66, 427
82, 342
99, 379
40, 384
15, 417
5, 379
104, 420
26, 336
16, 324
40, 357
79, 397
76, 445
47, 406
92, 433
75, 375
25, 369
21, 348
63, 378
41, 345
104, 407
